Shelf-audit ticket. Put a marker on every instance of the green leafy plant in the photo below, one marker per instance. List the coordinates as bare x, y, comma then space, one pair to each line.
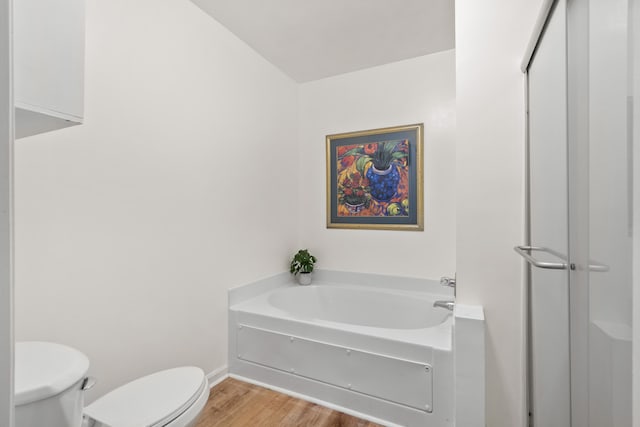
385, 154
302, 262
381, 154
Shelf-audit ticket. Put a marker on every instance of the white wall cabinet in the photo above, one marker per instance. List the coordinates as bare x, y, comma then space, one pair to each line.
49, 64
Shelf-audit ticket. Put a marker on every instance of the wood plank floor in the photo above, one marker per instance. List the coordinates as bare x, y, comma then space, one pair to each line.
235, 403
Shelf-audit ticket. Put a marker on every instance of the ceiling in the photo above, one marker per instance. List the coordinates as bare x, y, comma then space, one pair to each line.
310, 40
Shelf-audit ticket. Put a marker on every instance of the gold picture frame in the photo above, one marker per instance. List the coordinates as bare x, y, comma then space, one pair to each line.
375, 179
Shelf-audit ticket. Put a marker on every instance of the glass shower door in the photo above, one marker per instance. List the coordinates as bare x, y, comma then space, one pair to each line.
607, 265
580, 175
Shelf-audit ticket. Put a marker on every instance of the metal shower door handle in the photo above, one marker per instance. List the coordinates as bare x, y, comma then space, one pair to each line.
524, 252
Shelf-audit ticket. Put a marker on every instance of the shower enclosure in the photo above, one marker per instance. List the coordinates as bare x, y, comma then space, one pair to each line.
579, 248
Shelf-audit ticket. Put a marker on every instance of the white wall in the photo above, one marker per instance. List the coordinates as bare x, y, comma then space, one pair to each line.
420, 90
490, 41
6, 269
131, 227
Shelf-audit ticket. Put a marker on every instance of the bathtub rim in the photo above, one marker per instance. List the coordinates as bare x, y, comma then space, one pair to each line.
246, 291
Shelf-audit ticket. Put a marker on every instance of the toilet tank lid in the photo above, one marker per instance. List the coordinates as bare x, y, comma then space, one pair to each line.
44, 369
150, 401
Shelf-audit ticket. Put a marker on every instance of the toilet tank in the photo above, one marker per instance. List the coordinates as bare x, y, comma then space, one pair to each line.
49, 380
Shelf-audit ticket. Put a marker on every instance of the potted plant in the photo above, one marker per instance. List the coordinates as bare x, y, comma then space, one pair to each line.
302, 266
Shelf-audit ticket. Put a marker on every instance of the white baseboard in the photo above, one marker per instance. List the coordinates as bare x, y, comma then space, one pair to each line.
216, 376
316, 401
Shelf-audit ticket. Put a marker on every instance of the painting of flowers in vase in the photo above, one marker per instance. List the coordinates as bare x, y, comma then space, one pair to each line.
374, 179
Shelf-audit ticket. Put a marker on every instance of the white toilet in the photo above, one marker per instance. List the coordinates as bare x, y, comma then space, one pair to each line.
50, 380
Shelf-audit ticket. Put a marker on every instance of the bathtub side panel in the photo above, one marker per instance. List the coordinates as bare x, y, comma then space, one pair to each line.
400, 381
356, 404
469, 350
444, 387
232, 348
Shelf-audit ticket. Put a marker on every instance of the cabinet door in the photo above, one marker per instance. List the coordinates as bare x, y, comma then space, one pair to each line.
48, 64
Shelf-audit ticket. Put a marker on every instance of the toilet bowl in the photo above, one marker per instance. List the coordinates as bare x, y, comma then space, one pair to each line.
51, 379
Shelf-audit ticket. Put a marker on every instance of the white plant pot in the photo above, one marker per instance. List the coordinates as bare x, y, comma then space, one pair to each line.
304, 278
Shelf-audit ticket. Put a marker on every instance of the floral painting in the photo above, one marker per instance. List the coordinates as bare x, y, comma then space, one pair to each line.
374, 179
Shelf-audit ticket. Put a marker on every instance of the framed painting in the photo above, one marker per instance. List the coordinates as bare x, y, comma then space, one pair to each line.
375, 179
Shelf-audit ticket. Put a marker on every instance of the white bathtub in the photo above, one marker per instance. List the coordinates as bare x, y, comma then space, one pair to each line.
357, 306
383, 353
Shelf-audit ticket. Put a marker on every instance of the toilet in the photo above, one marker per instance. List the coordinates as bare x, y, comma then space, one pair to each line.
50, 381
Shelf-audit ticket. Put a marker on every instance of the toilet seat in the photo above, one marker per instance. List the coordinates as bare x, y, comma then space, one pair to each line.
151, 401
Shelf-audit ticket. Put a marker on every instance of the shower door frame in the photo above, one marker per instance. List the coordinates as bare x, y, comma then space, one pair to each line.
548, 8
635, 9
6, 224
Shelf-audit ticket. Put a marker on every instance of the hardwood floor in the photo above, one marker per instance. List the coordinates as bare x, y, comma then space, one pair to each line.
235, 403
